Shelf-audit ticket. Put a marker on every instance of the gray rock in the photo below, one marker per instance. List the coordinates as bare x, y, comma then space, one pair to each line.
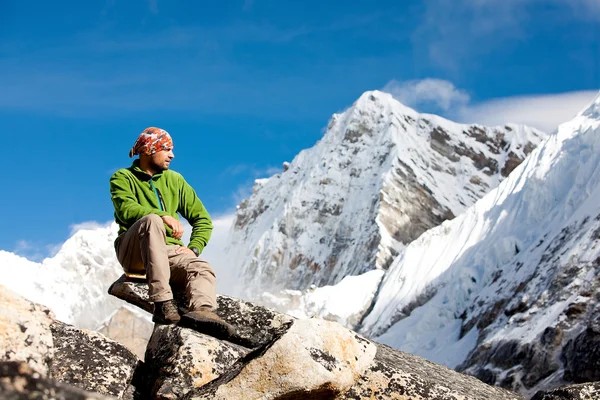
18, 381
56, 351
180, 360
90, 361
314, 358
585, 391
256, 326
25, 333
581, 357
397, 375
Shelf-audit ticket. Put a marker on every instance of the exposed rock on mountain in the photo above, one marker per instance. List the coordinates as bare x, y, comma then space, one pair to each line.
129, 326
381, 176
586, 391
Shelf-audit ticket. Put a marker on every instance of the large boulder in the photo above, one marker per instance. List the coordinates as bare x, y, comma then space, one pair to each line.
180, 360
88, 360
25, 333
57, 352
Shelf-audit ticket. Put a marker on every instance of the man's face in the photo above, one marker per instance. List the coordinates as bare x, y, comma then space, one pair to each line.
160, 160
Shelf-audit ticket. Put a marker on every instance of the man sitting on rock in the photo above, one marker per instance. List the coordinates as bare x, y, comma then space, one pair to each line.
147, 198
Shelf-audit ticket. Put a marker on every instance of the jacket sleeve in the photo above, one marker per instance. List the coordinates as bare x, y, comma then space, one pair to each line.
127, 208
192, 209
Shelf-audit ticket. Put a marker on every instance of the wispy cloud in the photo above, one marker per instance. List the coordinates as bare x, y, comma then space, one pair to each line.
542, 111
439, 92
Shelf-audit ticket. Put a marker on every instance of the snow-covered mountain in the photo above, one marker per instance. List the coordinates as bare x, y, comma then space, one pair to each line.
381, 176
509, 290
74, 282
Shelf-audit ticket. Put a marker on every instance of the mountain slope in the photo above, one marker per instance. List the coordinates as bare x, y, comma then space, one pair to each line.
509, 290
74, 282
381, 176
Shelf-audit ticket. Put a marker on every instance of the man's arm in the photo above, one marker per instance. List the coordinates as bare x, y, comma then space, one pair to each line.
192, 209
127, 208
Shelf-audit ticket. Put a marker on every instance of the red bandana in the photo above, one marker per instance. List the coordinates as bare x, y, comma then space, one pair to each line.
150, 141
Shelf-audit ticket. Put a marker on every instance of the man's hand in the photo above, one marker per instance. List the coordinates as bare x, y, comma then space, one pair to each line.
175, 225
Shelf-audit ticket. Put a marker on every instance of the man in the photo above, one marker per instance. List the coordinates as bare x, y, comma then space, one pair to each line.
147, 198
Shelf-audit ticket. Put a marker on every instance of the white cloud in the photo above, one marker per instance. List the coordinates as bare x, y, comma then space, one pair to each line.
544, 112
439, 92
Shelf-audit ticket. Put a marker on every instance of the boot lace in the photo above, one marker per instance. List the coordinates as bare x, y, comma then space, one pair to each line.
169, 307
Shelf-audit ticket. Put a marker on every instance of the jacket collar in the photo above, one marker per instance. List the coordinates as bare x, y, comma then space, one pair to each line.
135, 168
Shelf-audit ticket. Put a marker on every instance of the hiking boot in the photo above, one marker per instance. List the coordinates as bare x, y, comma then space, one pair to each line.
165, 312
205, 321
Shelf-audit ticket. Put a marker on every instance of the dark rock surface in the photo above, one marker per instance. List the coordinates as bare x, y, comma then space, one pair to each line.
180, 360
395, 374
584, 391
18, 381
256, 326
582, 357
90, 361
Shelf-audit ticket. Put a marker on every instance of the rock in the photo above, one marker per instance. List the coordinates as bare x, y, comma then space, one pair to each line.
584, 391
278, 357
54, 350
581, 357
19, 381
180, 360
255, 325
25, 333
313, 359
90, 361
394, 374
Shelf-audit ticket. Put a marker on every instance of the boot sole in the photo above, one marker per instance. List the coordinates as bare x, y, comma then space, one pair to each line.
208, 327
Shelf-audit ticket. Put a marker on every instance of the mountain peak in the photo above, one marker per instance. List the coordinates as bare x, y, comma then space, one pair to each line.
371, 98
381, 175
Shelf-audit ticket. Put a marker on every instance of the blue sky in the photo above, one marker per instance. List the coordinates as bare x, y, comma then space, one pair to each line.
243, 86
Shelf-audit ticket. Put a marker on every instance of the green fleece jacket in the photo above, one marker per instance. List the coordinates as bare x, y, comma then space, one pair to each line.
136, 194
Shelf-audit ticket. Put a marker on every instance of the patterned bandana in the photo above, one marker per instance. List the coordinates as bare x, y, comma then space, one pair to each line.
150, 141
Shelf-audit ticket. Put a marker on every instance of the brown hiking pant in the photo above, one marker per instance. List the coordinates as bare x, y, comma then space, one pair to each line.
143, 249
